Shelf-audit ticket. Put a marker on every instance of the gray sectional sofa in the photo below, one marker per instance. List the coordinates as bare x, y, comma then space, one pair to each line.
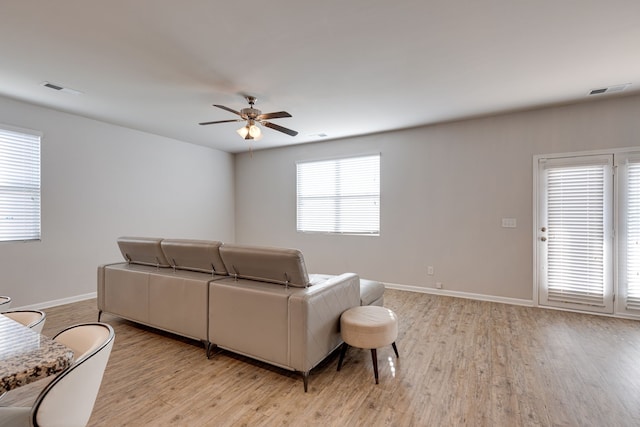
255, 301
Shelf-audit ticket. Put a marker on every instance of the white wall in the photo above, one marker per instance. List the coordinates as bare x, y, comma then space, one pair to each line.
101, 181
445, 189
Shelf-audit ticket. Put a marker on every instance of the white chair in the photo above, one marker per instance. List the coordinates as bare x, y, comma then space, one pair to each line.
5, 303
69, 398
33, 319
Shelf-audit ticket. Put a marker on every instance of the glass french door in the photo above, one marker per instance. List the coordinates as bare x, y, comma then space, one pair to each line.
574, 236
628, 202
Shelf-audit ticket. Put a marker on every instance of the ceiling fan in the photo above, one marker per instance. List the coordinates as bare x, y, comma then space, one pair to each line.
252, 116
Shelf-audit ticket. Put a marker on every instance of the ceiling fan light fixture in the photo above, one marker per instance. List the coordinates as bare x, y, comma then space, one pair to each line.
244, 132
250, 131
254, 131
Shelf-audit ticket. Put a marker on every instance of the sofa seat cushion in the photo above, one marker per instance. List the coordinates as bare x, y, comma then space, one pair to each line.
371, 291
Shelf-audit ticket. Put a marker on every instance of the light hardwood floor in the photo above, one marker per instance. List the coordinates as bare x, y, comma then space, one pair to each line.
462, 362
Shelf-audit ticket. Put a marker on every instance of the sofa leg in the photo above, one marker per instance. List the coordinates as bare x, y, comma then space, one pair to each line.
210, 347
343, 351
99, 314
305, 380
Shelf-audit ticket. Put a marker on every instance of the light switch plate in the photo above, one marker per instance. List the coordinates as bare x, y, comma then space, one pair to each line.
509, 222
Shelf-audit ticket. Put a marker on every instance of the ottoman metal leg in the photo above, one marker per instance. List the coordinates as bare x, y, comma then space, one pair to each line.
374, 356
395, 349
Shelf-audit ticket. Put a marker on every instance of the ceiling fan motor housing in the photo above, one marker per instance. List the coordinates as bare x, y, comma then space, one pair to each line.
249, 113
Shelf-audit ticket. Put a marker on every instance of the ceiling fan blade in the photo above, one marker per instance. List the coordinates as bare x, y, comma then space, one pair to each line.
221, 121
231, 110
276, 115
279, 128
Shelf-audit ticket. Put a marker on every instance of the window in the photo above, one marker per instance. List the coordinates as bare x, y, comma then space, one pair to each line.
19, 185
339, 196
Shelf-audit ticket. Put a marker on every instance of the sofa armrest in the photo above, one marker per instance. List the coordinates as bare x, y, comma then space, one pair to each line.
101, 283
314, 319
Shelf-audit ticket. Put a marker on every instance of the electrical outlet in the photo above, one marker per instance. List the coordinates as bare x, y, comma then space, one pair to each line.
438, 285
430, 270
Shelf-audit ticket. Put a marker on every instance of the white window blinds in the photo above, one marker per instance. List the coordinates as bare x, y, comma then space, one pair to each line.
632, 214
339, 196
19, 185
576, 225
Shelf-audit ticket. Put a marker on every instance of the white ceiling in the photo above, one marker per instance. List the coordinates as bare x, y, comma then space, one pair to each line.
340, 67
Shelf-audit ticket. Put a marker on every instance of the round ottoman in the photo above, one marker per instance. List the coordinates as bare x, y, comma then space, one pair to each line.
369, 327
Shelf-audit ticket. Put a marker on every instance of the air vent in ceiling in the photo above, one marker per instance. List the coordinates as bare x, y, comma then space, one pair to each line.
610, 89
52, 86
61, 88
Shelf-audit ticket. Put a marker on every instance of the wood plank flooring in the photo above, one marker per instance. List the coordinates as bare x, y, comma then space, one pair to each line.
462, 363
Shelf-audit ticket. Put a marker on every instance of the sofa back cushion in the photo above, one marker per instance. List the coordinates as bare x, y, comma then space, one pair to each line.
143, 250
194, 255
273, 265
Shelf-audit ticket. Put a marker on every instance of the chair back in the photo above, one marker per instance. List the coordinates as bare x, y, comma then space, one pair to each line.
68, 400
5, 303
33, 319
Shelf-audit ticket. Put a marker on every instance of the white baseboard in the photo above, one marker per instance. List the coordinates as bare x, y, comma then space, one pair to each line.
457, 294
396, 286
54, 303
